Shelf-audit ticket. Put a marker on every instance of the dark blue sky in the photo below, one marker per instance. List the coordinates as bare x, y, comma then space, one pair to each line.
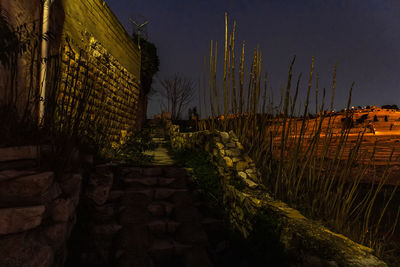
363, 36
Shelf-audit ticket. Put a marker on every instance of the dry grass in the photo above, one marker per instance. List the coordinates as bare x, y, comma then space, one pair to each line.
305, 161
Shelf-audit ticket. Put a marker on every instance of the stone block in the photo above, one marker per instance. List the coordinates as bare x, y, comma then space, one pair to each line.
19, 153
26, 188
12, 174
228, 162
20, 250
242, 175
62, 210
241, 165
72, 187
157, 171
99, 187
231, 145
219, 145
15, 220
224, 137
232, 152
18, 164
115, 195
56, 234
106, 230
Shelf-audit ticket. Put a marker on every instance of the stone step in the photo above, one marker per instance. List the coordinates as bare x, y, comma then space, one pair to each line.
161, 208
163, 226
153, 171
19, 164
212, 222
131, 172
25, 250
141, 182
191, 233
29, 188
167, 193
163, 249
187, 214
19, 153
15, 220
133, 192
175, 172
134, 258
11, 174
197, 257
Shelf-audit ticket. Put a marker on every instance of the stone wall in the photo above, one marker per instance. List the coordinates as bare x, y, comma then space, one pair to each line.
92, 58
24, 17
37, 208
245, 199
98, 53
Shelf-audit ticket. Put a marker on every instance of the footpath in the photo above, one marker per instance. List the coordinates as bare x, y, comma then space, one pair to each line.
161, 224
154, 216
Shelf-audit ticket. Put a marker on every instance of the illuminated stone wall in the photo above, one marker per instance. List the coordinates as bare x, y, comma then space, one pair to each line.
246, 201
98, 57
89, 49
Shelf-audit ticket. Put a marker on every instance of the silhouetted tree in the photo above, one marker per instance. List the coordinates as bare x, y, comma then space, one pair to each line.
190, 113
347, 123
390, 107
178, 91
362, 118
149, 67
195, 114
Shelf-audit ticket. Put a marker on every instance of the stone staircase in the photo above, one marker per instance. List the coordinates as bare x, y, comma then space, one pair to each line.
162, 224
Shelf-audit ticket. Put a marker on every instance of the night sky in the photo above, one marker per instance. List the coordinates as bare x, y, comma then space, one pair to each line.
363, 36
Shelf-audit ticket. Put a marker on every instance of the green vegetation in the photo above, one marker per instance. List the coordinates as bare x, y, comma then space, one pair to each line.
308, 162
77, 111
204, 172
149, 62
132, 151
263, 245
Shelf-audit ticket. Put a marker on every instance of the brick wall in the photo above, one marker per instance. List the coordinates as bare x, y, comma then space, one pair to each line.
101, 64
92, 59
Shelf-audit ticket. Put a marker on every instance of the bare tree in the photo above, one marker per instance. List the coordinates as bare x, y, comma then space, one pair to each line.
178, 92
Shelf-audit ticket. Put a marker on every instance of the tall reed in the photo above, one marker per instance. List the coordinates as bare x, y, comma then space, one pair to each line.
315, 164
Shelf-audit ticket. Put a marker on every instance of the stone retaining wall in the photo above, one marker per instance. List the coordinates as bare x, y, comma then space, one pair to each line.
245, 199
39, 208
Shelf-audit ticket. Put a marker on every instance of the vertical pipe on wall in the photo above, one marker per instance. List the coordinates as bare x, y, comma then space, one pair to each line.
43, 56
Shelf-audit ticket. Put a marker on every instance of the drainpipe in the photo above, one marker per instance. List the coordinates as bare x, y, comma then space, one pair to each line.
43, 57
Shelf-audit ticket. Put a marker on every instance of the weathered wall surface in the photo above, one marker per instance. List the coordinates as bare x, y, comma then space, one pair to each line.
24, 17
245, 200
98, 60
94, 17
98, 55
39, 209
